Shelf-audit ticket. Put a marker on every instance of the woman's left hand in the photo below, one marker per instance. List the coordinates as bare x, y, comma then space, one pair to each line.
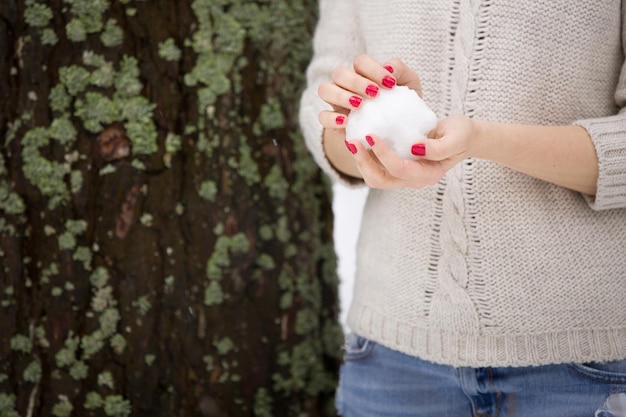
448, 144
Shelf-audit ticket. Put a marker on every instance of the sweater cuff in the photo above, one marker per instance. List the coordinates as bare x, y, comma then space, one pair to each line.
609, 138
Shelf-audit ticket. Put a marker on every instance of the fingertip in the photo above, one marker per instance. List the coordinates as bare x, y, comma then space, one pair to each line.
382, 150
388, 81
418, 149
371, 90
360, 149
355, 101
351, 147
373, 140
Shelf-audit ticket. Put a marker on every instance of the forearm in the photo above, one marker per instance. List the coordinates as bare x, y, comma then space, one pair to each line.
562, 155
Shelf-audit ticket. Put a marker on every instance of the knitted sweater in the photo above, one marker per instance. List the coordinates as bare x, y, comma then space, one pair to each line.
491, 267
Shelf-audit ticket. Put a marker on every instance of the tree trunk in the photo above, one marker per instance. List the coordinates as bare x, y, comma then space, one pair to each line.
165, 239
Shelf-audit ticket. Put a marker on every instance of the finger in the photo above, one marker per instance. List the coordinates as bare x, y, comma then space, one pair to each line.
405, 172
351, 81
394, 165
337, 96
332, 120
436, 150
404, 74
369, 68
372, 171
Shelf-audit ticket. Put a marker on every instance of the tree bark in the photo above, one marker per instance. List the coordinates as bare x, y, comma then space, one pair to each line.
165, 238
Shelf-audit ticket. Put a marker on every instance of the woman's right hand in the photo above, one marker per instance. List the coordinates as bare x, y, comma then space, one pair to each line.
347, 91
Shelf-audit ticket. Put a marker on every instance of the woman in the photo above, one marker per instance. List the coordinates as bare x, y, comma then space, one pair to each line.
491, 272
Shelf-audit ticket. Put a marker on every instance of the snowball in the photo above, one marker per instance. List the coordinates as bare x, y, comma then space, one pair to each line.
399, 116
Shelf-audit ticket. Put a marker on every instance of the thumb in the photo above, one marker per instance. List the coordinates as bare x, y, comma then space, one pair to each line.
438, 149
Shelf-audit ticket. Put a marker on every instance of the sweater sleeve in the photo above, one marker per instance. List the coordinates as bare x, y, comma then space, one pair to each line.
336, 43
609, 138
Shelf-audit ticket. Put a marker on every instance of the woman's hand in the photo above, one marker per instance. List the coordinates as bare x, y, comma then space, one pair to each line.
380, 167
449, 143
350, 87
347, 92
562, 155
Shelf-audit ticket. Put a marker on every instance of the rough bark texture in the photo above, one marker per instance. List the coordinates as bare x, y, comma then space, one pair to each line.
165, 239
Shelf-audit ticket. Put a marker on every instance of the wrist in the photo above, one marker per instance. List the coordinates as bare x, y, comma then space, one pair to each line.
482, 139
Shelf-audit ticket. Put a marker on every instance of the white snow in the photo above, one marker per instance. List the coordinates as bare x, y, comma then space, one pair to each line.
399, 116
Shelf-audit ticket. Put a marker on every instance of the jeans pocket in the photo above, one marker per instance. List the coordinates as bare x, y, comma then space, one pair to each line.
357, 348
612, 372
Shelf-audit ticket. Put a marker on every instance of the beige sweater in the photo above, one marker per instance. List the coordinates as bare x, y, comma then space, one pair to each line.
492, 267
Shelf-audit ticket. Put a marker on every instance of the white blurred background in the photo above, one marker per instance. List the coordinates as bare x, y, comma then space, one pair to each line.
347, 207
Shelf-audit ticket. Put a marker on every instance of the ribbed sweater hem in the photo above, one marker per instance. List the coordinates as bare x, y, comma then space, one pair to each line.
607, 135
481, 350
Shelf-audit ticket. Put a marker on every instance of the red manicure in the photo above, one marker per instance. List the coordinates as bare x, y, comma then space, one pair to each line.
351, 147
371, 90
389, 68
370, 140
418, 149
389, 81
355, 101
340, 120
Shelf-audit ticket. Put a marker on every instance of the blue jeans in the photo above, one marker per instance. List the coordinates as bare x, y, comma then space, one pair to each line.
376, 381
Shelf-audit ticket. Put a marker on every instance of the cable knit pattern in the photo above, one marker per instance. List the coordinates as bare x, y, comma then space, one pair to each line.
451, 303
491, 267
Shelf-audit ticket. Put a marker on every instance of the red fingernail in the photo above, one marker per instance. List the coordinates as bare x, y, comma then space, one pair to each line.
371, 90
370, 140
340, 120
389, 81
388, 68
351, 147
355, 101
418, 149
